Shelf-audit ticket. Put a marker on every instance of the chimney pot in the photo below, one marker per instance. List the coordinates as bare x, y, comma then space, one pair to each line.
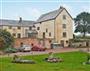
20, 19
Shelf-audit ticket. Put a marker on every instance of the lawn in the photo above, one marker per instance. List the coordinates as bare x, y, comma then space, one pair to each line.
72, 62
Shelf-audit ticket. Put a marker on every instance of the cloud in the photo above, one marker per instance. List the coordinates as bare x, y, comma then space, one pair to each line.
28, 13
33, 12
86, 8
67, 7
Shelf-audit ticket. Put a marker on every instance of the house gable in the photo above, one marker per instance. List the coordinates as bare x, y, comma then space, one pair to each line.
52, 15
59, 21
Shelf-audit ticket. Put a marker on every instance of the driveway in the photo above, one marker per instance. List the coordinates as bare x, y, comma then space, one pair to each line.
56, 50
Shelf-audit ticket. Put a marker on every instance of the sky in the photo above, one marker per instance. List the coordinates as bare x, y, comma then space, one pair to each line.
32, 9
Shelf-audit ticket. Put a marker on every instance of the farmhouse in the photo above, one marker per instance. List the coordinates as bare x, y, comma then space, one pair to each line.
52, 27
57, 26
22, 30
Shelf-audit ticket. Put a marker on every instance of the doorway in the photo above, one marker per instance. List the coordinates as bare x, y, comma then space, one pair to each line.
62, 43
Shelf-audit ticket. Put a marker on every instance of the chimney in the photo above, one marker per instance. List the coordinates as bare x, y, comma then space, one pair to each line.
61, 7
20, 19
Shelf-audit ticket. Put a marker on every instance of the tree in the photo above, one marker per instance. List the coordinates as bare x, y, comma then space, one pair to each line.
82, 23
1, 42
7, 38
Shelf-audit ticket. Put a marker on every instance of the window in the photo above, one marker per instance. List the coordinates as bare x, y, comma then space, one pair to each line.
64, 26
50, 41
40, 22
64, 16
66, 41
21, 44
14, 34
19, 27
43, 34
18, 35
33, 26
10, 27
62, 43
38, 28
49, 33
30, 28
46, 30
64, 34
30, 35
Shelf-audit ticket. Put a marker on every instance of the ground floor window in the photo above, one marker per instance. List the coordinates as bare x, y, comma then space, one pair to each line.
49, 33
18, 35
67, 41
14, 34
31, 35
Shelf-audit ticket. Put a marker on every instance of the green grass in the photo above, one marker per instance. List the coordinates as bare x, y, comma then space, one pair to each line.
72, 62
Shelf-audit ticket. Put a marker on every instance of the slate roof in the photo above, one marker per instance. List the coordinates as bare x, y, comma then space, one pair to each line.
16, 22
50, 15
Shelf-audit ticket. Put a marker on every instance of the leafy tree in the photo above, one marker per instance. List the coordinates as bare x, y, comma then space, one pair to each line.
7, 38
1, 42
82, 22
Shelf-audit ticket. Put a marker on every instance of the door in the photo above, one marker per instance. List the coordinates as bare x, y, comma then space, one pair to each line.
43, 38
62, 43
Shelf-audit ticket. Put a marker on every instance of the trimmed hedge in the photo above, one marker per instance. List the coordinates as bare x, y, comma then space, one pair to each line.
79, 40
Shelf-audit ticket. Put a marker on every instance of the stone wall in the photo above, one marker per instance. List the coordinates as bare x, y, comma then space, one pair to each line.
81, 44
29, 41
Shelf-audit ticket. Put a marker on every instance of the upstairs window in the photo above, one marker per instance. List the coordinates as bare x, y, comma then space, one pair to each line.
64, 26
33, 26
64, 17
46, 30
19, 27
40, 22
38, 28
30, 28
10, 27
64, 34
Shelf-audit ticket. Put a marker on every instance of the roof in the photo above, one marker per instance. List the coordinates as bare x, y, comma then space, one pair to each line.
16, 22
51, 15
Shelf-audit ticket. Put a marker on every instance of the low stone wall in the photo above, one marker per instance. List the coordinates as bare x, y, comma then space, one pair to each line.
89, 43
80, 44
29, 41
26, 41
46, 43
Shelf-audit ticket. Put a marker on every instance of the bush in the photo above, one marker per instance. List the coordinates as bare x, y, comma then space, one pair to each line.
79, 40
7, 38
